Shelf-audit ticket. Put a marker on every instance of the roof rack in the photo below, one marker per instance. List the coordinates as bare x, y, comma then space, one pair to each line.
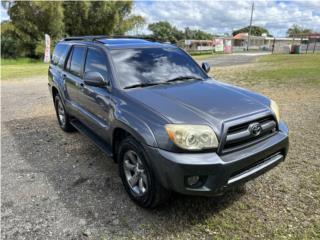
85, 38
150, 38
97, 37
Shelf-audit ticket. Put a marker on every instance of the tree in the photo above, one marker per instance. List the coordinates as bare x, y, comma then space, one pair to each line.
99, 18
297, 30
255, 31
75, 17
196, 34
124, 20
10, 45
163, 31
32, 19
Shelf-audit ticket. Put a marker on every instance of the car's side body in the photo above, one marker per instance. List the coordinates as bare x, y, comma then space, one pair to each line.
111, 112
107, 112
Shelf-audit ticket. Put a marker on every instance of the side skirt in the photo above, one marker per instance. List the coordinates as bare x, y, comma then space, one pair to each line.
91, 135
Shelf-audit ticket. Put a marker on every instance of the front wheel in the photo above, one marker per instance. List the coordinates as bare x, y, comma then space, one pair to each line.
137, 177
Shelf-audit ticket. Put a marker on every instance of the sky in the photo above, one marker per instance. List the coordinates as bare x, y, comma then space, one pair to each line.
219, 17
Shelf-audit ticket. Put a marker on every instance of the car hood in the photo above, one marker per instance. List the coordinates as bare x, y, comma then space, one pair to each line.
199, 102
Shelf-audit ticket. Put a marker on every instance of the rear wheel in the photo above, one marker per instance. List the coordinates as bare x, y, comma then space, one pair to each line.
137, 177
62, 116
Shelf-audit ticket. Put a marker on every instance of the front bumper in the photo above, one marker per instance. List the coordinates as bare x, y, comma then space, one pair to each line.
218, 172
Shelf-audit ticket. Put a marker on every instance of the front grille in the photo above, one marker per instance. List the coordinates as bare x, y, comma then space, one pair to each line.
239, 136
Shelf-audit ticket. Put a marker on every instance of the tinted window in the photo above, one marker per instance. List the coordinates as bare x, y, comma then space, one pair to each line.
153, 65
77, 59
59, 54
96, 62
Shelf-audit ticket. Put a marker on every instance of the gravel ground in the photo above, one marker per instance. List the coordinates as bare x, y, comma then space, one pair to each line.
60, 186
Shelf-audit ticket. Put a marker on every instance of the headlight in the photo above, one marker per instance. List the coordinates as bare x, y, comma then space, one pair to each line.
192, 137
275, 108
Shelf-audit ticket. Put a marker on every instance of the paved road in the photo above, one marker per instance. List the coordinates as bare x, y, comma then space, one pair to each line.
232, 59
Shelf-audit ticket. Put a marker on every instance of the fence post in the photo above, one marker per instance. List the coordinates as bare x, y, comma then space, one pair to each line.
314, 47
274, 40
307, 46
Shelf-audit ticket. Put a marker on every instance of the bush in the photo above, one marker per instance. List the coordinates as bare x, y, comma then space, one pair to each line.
40, 48
10, 44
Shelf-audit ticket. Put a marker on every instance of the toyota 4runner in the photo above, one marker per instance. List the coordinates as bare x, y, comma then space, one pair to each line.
156, 112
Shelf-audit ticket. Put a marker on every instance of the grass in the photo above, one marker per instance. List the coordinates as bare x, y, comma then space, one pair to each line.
201, 56
275, 70
18, 61
17, 69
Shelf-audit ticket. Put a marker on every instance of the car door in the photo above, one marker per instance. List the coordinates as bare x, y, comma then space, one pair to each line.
73, 77
96, 101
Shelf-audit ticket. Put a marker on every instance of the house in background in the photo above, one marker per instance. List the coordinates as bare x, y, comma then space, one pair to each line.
191, 45
239, 42
263, 42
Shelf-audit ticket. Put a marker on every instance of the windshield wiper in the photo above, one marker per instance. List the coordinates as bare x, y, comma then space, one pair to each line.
141, 85
181, 78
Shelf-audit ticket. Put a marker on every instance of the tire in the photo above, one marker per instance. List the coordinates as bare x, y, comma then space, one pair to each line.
64, 121
147, 191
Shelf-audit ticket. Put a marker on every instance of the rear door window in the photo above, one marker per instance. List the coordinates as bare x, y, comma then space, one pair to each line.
76, 60
96, 62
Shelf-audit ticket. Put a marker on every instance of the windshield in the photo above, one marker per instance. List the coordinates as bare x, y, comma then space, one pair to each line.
150, 66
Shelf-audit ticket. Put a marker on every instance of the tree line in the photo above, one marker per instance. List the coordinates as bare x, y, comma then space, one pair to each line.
165, 32
23, 35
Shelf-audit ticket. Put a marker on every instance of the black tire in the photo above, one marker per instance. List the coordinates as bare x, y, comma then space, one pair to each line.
64, 124
154, 194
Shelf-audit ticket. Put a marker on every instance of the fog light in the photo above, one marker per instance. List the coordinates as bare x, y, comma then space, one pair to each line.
193, 180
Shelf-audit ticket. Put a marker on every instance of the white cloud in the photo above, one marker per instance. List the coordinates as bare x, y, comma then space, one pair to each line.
224, 16
4, 15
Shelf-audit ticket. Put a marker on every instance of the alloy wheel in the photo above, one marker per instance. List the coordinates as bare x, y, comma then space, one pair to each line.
135, 173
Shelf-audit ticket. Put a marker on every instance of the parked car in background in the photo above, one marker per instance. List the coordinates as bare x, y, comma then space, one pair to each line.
157, 113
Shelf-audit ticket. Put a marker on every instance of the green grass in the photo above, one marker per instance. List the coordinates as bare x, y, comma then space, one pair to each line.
16, 69
204, 55
18, 61
275, 69
290, 67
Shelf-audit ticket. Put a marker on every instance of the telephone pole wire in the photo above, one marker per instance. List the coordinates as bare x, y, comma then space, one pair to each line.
252, 8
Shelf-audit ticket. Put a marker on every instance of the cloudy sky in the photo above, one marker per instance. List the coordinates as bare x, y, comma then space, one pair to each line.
223, 16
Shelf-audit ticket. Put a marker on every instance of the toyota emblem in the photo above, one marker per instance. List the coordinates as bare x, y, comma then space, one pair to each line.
255, 129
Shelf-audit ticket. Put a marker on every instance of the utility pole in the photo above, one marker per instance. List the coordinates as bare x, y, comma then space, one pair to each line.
248, 43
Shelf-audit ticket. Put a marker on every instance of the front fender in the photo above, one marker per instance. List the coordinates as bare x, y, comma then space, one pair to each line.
136, 127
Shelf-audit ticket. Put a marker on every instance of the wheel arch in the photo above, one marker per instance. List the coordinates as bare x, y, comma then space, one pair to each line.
54, 91
134, 128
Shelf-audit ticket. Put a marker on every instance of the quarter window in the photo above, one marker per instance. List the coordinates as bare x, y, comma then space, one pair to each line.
96, 62
59, 54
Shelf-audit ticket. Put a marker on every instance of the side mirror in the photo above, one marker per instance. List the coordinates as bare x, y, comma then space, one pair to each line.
206, 67
94, 79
